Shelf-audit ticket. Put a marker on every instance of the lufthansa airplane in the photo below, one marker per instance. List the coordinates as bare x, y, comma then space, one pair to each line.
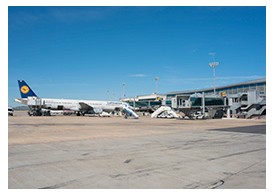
81, 107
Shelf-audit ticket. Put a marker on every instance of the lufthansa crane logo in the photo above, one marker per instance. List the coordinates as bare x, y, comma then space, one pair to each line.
25, 89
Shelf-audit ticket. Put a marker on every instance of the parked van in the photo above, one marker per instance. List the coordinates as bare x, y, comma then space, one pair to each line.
10, 111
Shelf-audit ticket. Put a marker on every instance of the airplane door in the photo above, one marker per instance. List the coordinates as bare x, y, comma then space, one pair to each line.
60, 107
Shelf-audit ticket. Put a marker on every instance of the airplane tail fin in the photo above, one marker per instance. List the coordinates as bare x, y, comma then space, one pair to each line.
25, 90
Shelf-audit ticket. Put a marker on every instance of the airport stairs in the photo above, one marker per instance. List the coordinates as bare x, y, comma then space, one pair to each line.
164, 112
234, 108
254, 111
130, 112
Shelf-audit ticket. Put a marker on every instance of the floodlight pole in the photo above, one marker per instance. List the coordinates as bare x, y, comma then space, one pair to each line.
123, 89
156, 79
213, 65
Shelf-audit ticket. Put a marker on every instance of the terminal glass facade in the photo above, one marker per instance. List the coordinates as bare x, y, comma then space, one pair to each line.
197, 101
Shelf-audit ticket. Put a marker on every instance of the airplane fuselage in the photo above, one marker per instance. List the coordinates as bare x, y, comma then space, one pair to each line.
64, 104
70, 104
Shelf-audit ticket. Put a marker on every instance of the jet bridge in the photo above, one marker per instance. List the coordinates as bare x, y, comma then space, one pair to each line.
195, 106
199, 106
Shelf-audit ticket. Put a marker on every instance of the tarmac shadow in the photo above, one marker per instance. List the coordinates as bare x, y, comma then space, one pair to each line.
256, 129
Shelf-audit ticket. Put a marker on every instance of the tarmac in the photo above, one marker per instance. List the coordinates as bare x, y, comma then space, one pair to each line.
115, 153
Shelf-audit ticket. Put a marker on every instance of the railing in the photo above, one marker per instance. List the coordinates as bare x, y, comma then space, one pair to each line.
254, 111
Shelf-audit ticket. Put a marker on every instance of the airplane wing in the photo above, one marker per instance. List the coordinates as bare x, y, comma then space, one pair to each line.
21, 100
85, 107
89, 109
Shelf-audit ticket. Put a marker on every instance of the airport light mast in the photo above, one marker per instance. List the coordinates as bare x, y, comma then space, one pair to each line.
213, 65
156, 79
123, 90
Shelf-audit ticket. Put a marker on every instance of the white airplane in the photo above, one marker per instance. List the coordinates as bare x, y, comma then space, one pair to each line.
81, 107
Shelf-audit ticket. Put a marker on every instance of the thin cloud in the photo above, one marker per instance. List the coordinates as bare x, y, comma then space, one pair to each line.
72, 14
28, 17
137, 75
194, 50
212, 53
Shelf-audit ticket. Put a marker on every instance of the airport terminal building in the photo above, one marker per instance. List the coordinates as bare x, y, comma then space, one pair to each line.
258, 85
239, 95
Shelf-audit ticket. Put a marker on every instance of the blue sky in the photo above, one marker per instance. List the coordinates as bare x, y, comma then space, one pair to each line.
88, 52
